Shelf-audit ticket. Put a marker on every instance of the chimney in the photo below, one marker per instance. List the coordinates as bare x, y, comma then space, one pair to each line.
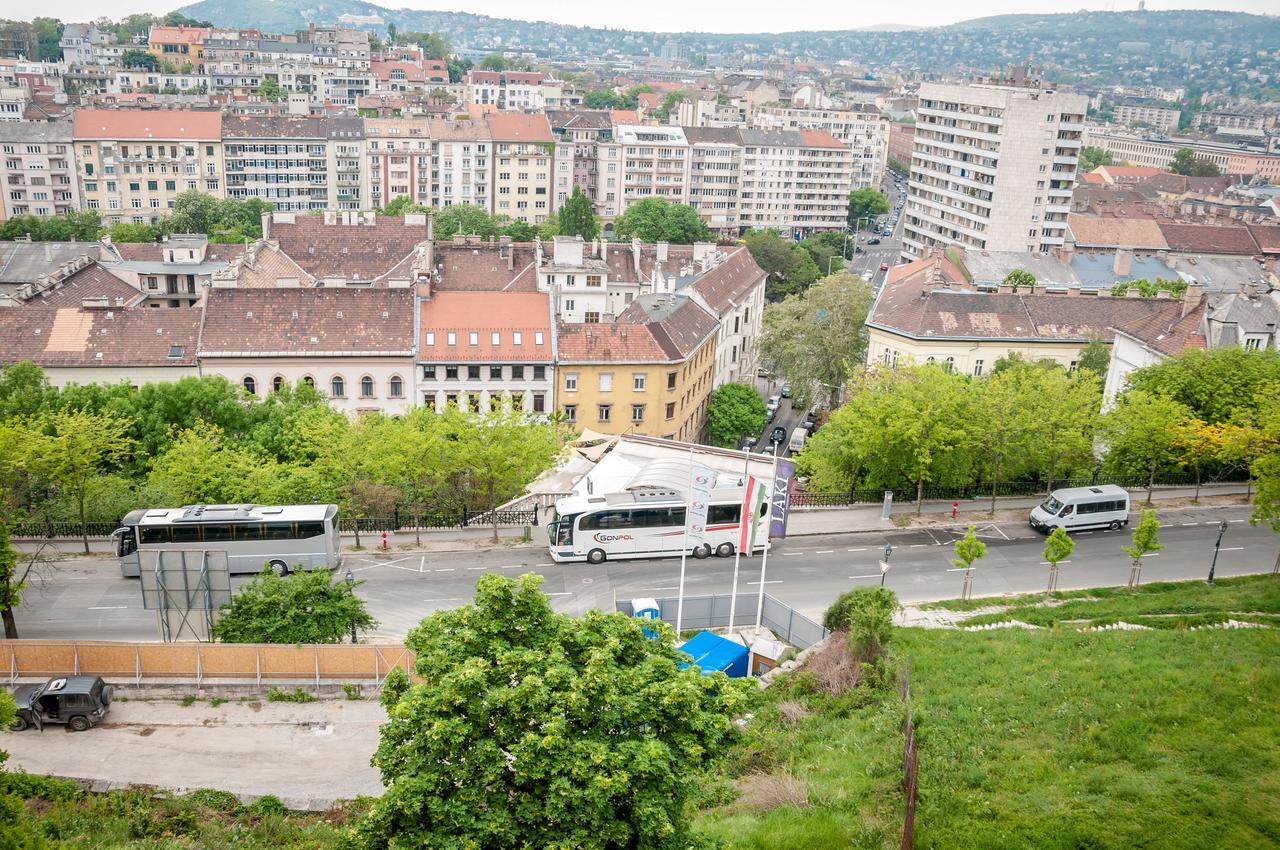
661, 249
1073, 291
1191, 297
635, 256
1133, 292
604, 250
431, 227
1122, 263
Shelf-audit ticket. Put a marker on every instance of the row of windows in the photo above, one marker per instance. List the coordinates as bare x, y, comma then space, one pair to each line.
604, 412
452, 373
337, 385
472, 401
222, 532
495, 338
655, 517
639, 381
1101, 507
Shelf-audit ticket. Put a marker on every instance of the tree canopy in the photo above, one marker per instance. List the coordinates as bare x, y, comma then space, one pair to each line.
733, 412
302, 607
866, 204
1186, 162
1092, 157
577, 217
1214, 385
659, 220
790, 267
531, 728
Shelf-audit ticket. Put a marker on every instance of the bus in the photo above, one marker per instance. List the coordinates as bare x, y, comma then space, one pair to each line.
1102, 506
646, 525
282, 537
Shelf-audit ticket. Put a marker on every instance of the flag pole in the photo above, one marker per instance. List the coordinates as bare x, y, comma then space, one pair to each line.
764, 561
748, 515
684, 551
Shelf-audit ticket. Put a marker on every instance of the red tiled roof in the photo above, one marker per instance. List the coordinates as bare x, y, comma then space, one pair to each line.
482, 268
486, 314
1267, 236
519, 127
820, 139
1168, 330
204, 125
178, 35
1209, 239
93, 281
71, 336
731, 282
1089, 231
412, 73
649, 99
614, 343
624, 116
362, 252
308, 322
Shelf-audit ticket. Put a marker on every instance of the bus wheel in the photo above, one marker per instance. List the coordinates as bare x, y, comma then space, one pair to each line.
595, 556
1115, 525
724, 550
279, 567
703, 551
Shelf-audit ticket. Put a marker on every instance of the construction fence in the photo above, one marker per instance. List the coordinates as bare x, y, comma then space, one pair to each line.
204, 662
712, 612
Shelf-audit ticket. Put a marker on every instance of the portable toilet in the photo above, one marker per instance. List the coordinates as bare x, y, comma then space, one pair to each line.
646, 608
711, 652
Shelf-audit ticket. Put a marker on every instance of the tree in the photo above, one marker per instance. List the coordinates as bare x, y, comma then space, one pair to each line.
77, 226
502, 452
1145, 540
135, 58
1091, 158
1060, 442
12, 582
867, 614
270, 89
790, 268
467, 219
402, 205
659, 220
816, 338
1198, 442
1216, 385
304, 607
458, 68
602, 99
1058, 547
391, 35
866, 204
1020, 278
48, 38
1150, 289
531, 728
1141, 434
24, 391
1264, 442
1186, 162
576, 217
72, 450
127, 231
1095, 357
434, 45
968, 549
1007, 405
494, 62
203, 467
733, 411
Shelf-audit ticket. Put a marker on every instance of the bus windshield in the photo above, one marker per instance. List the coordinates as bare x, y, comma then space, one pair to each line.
562, 529
1051, 506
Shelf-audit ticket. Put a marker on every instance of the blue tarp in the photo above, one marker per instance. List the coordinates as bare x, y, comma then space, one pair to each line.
712, 652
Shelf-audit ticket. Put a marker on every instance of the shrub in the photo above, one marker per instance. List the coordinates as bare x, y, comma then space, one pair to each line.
296, 695
762, 792
833, 667
219, 801
867, 614
267, 804
393, 687
28, 786
188, 701
791, 712
352, 691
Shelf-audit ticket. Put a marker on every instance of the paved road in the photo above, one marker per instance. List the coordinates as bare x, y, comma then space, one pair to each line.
87, 599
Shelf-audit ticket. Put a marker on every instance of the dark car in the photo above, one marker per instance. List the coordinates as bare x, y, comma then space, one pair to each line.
748, 443
778, 435
77, 701
874, 240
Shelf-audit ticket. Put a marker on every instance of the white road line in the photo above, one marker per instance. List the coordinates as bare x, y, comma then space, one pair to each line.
1191, 523
1152, 555
672, 587
918, 545
449, 599
107, 607
422, 564
1231, 548
1060, 563
859, 549
445, 570
793, 553
869, 575
770, 581
477, 568
1235, 520
548, 564
562, 593
511, 566
825, 552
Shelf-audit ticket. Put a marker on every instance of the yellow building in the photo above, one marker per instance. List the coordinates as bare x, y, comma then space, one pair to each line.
134, 163
178, 47
650, 372
523, 150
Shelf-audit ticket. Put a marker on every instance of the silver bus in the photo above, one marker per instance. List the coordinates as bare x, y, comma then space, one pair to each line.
282, 537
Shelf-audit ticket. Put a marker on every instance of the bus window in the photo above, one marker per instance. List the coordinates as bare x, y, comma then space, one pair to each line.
277, 531
247, 531
722, 514
154, 533
217, 533
310, 529
185, 534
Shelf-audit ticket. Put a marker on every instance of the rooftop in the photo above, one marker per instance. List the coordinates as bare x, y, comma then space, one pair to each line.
165, 124
516, 319
313, 322
73, 336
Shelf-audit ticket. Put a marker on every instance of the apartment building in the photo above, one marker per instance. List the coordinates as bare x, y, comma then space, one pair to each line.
1234, 122
902, 141
462, 167
1155, 114
295, 164
37, 168
795, 181
1251, 162
588, 154
993, 167
523, 155
134, 163
655, 163
715, 176
178, 47
861, 128
519, 90
241, 65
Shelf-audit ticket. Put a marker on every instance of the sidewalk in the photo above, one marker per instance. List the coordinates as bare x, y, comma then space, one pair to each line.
820, 521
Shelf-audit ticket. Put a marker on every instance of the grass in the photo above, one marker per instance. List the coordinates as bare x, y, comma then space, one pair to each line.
1048, 739
296, 695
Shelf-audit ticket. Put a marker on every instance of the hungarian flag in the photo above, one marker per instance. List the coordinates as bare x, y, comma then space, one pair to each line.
754, 497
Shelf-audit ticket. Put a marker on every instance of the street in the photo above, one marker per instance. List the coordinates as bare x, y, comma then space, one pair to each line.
86, 599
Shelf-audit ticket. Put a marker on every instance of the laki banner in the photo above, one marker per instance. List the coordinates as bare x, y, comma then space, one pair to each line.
780, 498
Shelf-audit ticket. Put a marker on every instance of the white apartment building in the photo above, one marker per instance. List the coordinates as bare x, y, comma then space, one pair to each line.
580, 283
1159, 115
517, 90
436, 162
794, 181
715, 176
862, 129
37, 168
296, 164
992, 167
655, 163
589, 156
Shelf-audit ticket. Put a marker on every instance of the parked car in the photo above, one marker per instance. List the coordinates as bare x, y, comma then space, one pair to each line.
884, 267
867, 276
778, 435
771, 406
786, 390
810, 420
76, 701
747, 444
874, 240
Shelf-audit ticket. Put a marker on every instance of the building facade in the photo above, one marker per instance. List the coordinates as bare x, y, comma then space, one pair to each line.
1157, 115
794, 181
295, 164
38, 169
862, 129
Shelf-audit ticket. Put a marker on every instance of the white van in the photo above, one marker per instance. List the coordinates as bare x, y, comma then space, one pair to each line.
1102, 506
797, 438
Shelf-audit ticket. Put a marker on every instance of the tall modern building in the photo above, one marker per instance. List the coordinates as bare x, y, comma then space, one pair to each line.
992, 167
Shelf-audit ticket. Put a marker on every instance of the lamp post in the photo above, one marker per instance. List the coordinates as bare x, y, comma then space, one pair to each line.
884, 567
351, 581
1222, 529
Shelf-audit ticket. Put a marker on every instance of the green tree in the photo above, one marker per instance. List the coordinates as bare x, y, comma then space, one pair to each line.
1020, 278
494, 62
458, 68
659, 220
1095, 357
270, 89
1186, 162
159, 411
1064, 423
1006, 404
467, 219
1150, 289
391, 34
577, 218
1091, 158
1263, 439
24, 391
403, 205
867, 614
898, 167
127, 231
968, 549
733, 411
13, 580
48, 38
531, 728
791, 269
1141, 434
303, 607
602, 99
502, 452
137, 58
1216, 385
1145, 540
203, 467
77, 226
434, 45
816, 338
866, 204
1058, 546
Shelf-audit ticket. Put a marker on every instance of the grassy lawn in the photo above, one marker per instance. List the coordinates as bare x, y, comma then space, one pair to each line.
1046, 739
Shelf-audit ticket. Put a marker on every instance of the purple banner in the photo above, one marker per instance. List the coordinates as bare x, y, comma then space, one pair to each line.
780, 499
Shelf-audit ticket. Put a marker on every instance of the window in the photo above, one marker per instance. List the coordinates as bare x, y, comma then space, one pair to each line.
473, 338
671, 410
591, 317
397, 386
451, 373
637, 413
537, 337
516, 338
603, 412
571, 381
495, 373
338, 387
452, 338
428, 373
671, 380
539, 403
1253, 343
594, 280
539, 373
1072, 368
431, 338
366, 387
571, 413
606, 382
277, 383
308, 380
250, 385
473, 373
977, 367
638, 382
568, 308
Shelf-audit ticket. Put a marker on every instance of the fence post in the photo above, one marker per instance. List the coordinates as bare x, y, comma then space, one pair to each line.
13, 665
257, 665
137, 664
316, 651
199, 670
791, 619
75, 657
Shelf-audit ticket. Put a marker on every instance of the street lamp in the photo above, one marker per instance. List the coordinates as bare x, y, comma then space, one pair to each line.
1222, 529
884, 565
351, 580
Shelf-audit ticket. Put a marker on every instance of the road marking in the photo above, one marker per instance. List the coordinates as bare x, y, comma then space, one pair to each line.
1152, 555
107, 607
825, 552
918, 545
445, 570
859, 549
477, 568
422, 564
1231, 548
447, 599
793, 553
1046, 563
511, 566
548, 564
870, 575
1191, 523
1235, 520
672, 587
770, 581
562, 593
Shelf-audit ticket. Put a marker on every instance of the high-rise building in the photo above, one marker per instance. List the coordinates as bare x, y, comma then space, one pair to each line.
294, 163
992, 167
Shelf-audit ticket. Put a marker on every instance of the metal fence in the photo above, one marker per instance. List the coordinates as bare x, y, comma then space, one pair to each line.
139, 662
40, 528
712, 612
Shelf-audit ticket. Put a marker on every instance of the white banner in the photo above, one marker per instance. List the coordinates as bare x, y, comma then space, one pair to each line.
695, 518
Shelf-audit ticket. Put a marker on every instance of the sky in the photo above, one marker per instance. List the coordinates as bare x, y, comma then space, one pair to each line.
682, 15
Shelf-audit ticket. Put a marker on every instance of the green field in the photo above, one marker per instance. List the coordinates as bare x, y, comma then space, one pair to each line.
1053, 738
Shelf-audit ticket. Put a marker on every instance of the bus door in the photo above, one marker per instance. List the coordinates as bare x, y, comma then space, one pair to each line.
127, 551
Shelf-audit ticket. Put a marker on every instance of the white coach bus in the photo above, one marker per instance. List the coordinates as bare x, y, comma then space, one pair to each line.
283, 537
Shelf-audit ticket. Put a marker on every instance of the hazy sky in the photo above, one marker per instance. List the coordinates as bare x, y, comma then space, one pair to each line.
682, 15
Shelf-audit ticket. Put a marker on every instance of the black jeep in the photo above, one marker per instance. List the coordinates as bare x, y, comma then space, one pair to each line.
77, 701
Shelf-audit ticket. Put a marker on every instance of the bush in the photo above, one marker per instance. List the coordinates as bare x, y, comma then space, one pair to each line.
867, 614
393, 687
296, 695
28, 786
352, 691
267, 804
218, 801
